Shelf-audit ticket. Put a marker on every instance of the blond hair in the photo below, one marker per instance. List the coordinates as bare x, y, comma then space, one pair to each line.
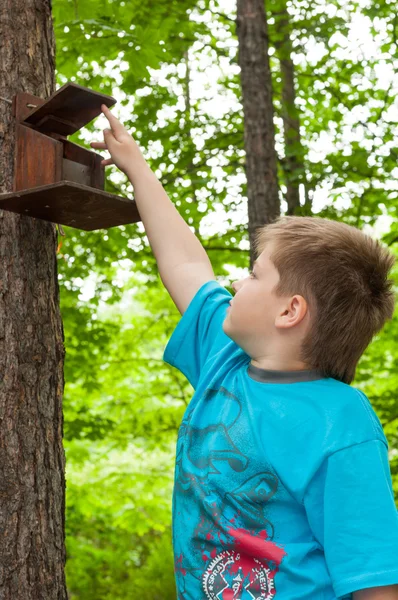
343, 275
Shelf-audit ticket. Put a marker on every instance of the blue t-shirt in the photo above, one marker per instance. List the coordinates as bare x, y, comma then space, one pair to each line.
282, 483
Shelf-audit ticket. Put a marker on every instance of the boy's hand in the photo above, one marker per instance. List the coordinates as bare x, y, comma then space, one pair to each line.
124, 151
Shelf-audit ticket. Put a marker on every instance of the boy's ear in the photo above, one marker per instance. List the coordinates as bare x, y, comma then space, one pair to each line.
292, 313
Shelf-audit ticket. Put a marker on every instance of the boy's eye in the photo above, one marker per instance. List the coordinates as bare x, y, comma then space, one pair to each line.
252, 274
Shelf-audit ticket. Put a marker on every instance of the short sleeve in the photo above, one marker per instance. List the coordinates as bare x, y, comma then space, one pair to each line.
199, 333
351, 510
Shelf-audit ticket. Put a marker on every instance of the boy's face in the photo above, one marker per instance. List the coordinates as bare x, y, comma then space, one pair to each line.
250, 319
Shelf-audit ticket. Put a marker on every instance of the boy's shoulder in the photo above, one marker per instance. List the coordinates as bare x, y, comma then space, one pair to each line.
349, 412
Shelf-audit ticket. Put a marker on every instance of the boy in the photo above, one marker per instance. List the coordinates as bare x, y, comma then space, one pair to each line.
282, 482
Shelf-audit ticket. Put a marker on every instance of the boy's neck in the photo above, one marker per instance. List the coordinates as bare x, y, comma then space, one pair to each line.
277, 364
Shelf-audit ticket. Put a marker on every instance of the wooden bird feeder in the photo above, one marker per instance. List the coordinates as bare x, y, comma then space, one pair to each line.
55, 179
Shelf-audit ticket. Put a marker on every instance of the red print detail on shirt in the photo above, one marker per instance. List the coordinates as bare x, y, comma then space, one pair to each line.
256, 545
178, 566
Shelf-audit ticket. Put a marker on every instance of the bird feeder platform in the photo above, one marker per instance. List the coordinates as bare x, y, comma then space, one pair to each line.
55, 179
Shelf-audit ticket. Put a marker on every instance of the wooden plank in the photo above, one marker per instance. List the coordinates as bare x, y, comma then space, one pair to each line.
78, 153
98, 172
75, 172
22, 105
73, 205
86, 157
69, 109
38, 159
49, 124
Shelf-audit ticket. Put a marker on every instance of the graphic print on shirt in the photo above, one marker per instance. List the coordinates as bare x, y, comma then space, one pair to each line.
232, 555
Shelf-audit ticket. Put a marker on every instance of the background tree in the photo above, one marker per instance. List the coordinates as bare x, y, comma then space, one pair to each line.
32, 461
293, 161
259, 133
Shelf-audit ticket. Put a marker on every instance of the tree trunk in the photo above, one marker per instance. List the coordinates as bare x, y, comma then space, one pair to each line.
259, 136
32, 460
293, 163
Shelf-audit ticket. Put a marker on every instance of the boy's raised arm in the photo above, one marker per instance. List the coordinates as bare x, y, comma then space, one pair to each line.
182, 261
386, 592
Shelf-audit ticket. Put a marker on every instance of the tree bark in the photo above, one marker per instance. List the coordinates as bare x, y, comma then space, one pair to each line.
293, 163
259, 131
32, 459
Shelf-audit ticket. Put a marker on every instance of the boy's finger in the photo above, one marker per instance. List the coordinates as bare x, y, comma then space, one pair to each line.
107, 161
99, 145
116, 125
109, 138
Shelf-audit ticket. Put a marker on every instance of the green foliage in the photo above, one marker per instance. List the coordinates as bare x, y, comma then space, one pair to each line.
122, 403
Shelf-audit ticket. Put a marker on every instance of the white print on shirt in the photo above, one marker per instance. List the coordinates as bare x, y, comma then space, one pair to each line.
231, 576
